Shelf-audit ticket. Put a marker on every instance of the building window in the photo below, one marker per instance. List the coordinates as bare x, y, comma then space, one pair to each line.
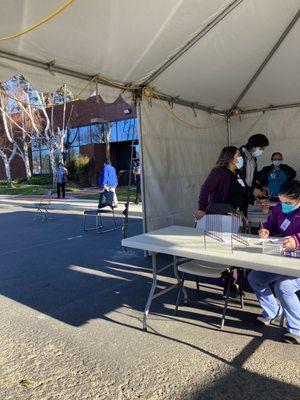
123, 130
85, 137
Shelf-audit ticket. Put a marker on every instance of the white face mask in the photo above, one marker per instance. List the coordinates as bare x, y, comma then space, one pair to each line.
276, 163
239, 162
257, 153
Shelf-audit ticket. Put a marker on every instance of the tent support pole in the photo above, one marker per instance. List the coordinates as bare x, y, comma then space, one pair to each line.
141, 143
185, 103
271, 108
193, 41
266, 60
228, 130
51, 67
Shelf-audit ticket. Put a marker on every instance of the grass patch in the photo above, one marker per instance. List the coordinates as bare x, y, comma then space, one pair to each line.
26, 189
121, 194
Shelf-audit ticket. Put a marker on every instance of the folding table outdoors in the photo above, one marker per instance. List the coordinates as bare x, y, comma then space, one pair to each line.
180, 241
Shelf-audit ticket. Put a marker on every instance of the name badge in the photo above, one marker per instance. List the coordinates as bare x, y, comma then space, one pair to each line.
285, 224
241, 182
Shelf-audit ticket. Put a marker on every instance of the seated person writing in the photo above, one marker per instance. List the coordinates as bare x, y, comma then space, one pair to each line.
285, 218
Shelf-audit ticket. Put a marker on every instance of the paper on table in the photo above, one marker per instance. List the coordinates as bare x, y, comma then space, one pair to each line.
270, 240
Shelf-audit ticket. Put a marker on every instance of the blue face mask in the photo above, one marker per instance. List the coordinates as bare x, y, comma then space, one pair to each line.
257, 153
276, 163
240, 162
288, 208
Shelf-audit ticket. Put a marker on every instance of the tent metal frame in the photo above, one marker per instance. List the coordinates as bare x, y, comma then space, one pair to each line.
52, 67
197, 106
265, 62
141, 139
193, 41
271, 108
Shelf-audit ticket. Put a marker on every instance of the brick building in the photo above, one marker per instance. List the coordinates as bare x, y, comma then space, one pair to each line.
83, 136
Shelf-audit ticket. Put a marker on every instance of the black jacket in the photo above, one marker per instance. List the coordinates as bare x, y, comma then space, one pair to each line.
248, 197
263, 175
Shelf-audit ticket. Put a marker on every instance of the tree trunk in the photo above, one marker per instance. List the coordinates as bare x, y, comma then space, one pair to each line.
7, 172
61, 152
107, 142
52, 159
26, 161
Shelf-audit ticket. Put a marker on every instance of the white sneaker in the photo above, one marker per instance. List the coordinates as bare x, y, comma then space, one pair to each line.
266, 321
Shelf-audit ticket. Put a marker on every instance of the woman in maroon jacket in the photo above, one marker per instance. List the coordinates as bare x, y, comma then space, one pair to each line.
223, 184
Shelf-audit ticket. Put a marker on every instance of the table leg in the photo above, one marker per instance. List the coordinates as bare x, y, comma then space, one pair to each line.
185, 297
151, 294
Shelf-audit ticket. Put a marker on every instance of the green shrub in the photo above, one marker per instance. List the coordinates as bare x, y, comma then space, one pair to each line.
72, 174
20, 180
42, 180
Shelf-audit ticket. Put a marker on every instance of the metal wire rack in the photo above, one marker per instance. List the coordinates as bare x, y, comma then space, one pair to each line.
223, 224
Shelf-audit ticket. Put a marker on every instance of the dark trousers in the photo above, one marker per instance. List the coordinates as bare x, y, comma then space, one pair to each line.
62, 187
138, 189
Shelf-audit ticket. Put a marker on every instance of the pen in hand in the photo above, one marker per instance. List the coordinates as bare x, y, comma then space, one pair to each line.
261, 225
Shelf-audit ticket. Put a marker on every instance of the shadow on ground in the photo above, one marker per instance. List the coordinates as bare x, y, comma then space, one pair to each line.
75, 276
241, 383
72, 276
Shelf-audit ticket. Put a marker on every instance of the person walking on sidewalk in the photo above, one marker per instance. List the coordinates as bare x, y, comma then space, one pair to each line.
108, 181
60, 179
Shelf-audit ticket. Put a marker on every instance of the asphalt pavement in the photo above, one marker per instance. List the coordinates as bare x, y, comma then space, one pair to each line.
71, 306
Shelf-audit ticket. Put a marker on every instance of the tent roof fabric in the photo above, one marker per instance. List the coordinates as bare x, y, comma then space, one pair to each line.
130, 41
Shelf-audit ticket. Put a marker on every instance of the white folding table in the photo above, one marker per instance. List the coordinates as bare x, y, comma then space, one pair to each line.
179, 241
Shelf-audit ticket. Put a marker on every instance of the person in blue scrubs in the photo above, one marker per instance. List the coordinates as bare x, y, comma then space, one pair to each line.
285, 218
275, 175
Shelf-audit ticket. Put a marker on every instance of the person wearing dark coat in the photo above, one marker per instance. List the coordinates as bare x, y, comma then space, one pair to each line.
250, 152
275, 175
223, 184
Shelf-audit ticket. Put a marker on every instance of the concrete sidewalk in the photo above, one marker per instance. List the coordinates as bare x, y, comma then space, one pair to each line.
71, 204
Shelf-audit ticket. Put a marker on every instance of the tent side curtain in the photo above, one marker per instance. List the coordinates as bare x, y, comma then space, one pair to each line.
280, 126
176, 160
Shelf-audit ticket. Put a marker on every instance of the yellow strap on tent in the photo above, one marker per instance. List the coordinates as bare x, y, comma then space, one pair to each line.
76, 96
149, 93
39, 23
99, 79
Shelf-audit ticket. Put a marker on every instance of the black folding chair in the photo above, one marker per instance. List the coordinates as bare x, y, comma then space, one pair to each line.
44, 206
105, 200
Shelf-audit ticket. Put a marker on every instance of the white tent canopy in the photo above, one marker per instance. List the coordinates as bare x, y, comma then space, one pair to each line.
129, 41
210, 55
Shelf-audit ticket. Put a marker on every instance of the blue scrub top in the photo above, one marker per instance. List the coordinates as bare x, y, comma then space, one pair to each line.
275, 180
